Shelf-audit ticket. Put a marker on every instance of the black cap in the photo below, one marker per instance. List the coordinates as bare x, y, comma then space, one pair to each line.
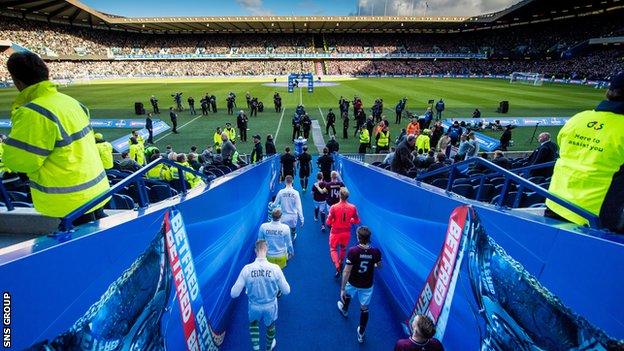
257, 137
617, 82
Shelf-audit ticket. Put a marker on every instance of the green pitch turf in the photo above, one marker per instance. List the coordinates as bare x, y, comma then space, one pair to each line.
115, 99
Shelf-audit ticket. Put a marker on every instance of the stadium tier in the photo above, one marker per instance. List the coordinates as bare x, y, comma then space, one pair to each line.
571, 43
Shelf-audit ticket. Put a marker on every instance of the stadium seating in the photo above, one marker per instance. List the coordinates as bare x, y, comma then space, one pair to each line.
65, 44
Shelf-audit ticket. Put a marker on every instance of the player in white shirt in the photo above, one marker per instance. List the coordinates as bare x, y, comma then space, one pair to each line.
262, 280
277, 236
289, 201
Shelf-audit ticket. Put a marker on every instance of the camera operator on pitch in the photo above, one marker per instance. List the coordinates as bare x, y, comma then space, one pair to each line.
177, 98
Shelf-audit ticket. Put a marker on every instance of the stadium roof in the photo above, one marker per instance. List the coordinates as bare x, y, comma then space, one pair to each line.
76, 13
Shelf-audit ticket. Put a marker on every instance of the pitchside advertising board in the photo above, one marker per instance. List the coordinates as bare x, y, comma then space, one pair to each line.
120, 144
100, 123
516, 121
123, 143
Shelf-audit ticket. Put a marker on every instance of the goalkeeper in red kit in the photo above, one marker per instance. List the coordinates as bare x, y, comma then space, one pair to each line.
341, 217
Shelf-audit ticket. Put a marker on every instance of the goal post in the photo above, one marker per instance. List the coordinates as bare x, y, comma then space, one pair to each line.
294, 79
531, 78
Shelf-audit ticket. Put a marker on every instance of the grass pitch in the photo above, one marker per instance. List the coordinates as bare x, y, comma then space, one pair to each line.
115, 99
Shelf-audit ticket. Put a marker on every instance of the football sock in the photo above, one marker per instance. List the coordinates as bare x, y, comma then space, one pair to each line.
363, 321
254, 331
345, 302
270, 335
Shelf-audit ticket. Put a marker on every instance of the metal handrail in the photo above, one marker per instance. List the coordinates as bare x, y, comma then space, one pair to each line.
453, 170
136, 178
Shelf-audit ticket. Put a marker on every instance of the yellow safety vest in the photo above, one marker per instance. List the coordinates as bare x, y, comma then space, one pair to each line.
139, 140
591, 155
106, 154
159, 172
137, 153
423, 143
52, 142
217, 140
2, 168
192, 179
364, 136
231, 134
384, 139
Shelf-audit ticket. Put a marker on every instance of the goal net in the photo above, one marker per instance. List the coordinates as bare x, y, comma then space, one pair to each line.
527, 78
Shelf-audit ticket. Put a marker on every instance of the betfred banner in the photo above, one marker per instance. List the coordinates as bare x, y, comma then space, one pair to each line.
101, 123
434, 300
486, 143
123, 144
198, 334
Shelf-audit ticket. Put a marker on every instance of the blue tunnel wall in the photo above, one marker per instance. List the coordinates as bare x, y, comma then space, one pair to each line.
53, 284
409, 224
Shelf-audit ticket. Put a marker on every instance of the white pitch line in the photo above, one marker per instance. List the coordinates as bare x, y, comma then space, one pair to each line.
279, 125
182, 126
322, 117
300, 96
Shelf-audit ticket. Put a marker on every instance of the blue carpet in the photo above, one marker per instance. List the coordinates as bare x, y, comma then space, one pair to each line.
308, 318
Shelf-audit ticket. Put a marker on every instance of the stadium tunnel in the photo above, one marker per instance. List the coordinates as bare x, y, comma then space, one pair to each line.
160, 278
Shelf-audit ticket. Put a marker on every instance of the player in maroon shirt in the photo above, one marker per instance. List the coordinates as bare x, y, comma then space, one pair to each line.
333, 189
422, 338
357, 278
319, 194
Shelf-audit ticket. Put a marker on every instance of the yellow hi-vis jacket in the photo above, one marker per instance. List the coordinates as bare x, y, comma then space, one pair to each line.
137, 153
192, 179
216, 138
590, 170
52, 142
364, 136
139, 140
159, 172
423, 143
231, 134
106, 154
384, 139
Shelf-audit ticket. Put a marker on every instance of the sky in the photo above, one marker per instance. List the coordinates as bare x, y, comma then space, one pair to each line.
171, 8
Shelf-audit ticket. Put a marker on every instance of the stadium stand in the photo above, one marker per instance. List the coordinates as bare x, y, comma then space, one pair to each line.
524, 38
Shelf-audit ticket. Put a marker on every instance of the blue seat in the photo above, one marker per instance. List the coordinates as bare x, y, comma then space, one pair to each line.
461, 181
161, 192
497, 180
440, 183
509, 199
120, 202
22, 204
177, 185
132, 191
113, 173
487, 192
536, 179
464, 190
19, 196
217, 172
530, 199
